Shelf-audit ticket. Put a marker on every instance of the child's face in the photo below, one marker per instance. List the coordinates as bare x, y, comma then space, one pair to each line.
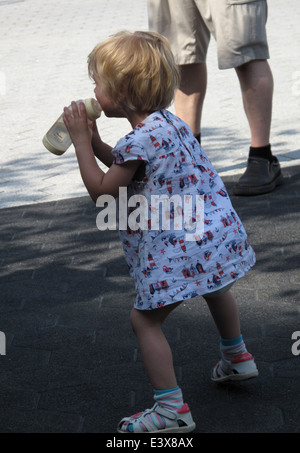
109, 107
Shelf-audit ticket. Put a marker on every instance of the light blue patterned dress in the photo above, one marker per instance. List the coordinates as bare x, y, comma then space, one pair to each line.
165, 266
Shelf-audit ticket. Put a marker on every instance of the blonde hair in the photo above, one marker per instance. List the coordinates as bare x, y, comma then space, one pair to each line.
138, 67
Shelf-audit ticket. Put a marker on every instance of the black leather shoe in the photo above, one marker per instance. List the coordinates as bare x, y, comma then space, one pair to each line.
261, 176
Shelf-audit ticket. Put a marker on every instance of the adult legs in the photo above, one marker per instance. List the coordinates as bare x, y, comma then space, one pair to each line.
263, 171
190, 96
256, 82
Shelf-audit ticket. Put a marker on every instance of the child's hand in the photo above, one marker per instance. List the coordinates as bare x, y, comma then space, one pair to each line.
93, 129
78, 125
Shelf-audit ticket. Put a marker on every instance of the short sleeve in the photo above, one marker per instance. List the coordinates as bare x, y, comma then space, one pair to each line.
126, 150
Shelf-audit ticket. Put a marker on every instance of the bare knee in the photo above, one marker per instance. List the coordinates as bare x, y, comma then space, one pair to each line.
142, 320
149, 319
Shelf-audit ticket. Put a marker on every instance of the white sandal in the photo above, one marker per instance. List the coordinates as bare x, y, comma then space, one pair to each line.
169, 421
238, 369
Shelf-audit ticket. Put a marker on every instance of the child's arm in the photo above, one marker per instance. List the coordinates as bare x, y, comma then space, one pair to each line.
101, 149
96, 181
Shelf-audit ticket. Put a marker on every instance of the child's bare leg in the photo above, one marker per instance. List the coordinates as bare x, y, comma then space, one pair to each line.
169, 414
155, 350
225, 313
237, 363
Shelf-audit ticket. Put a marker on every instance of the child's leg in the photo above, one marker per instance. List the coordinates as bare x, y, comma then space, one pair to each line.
169, 414
236, 363
225, 313
155, 350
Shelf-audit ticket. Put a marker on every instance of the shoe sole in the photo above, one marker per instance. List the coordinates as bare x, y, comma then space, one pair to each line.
258, 190
236, 377
175, 429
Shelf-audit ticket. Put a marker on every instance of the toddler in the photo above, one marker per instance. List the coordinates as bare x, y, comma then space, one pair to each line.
135, 77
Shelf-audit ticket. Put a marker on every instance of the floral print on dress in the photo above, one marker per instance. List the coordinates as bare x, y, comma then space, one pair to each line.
165, 266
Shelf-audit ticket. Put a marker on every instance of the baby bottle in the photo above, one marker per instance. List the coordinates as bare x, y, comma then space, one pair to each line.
57, 140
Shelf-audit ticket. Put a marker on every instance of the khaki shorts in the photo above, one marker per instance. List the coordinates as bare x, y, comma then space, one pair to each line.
239, 27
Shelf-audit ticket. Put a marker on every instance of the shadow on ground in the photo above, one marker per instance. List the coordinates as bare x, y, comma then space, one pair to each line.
72, 363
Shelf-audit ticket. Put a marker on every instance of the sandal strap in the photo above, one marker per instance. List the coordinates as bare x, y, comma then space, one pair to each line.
164, 412
142, 418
